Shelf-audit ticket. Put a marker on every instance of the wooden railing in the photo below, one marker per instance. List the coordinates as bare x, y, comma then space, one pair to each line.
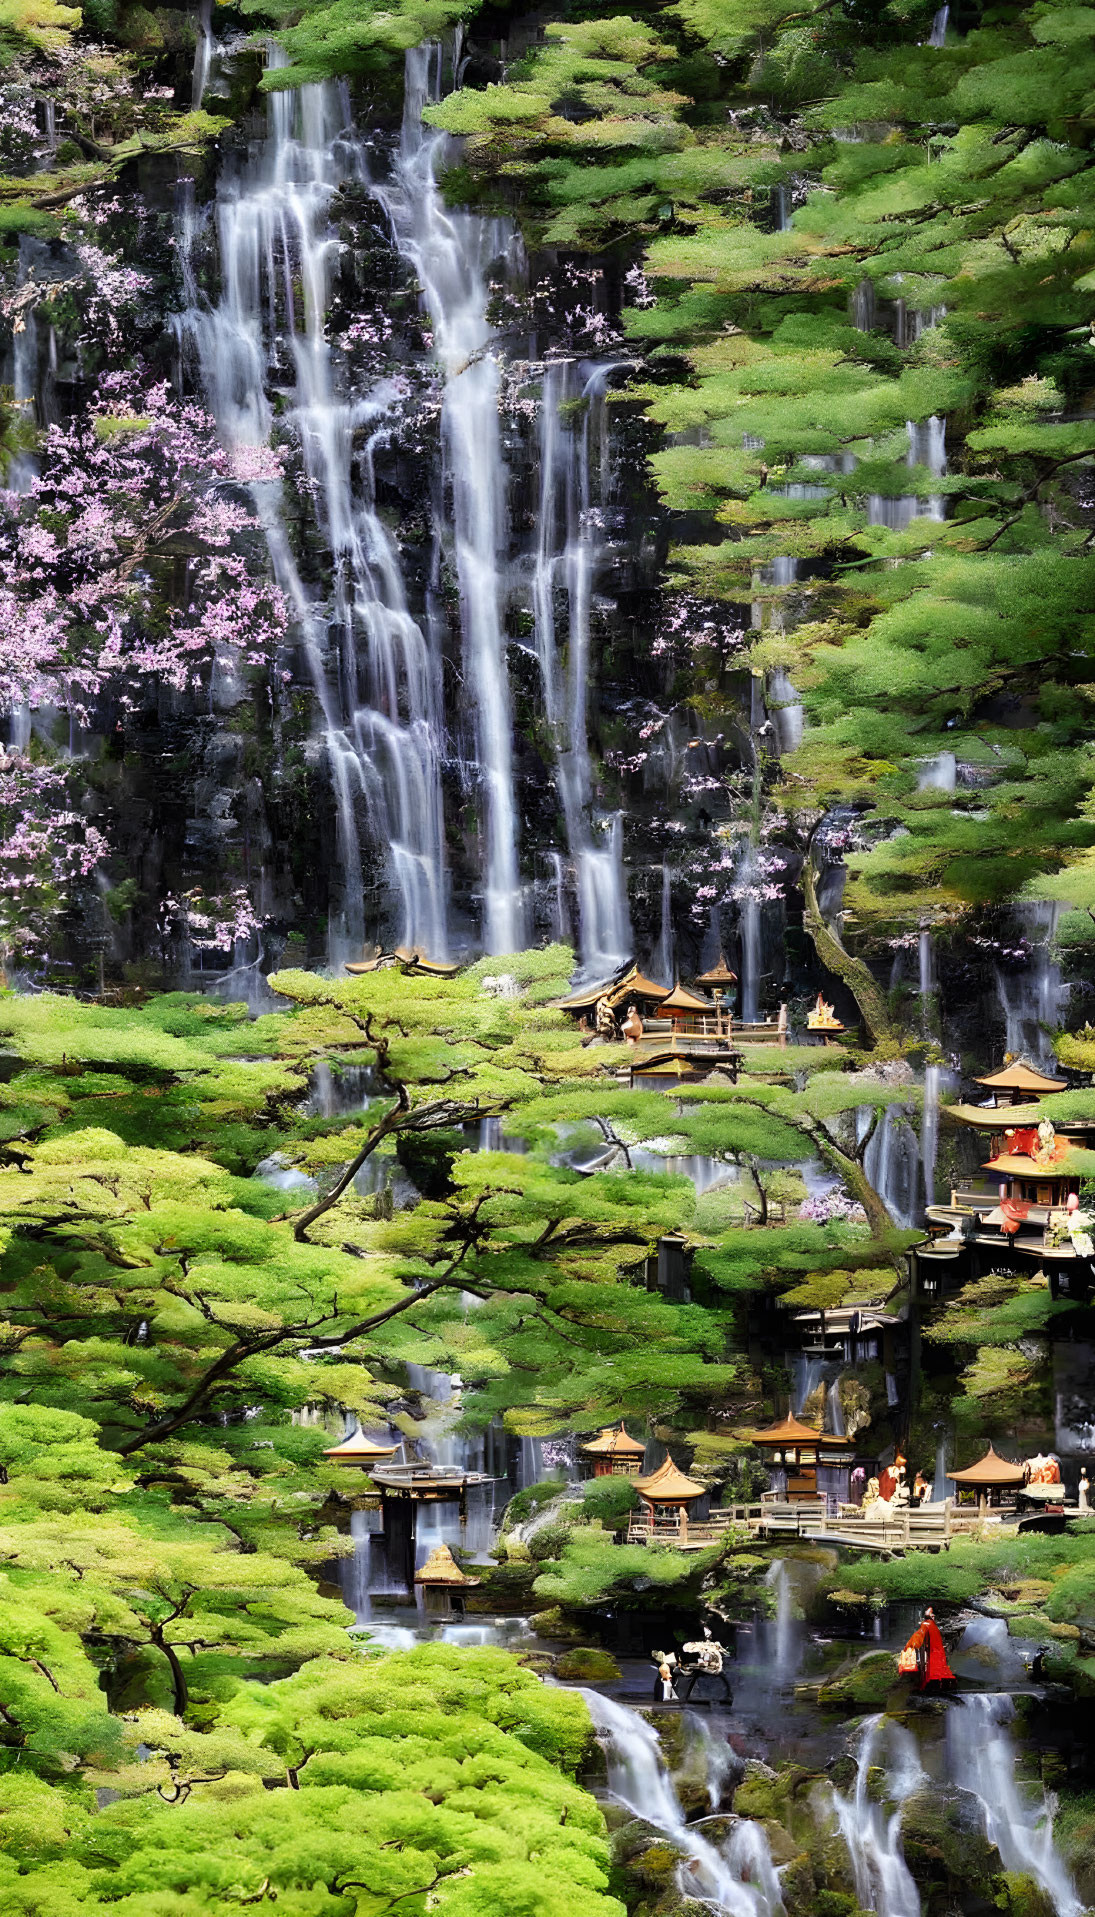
904, 1530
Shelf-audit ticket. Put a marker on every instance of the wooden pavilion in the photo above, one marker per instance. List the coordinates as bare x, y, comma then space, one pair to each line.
989, 1477
793, 1451
667, 1494
684, 1008
615, 1454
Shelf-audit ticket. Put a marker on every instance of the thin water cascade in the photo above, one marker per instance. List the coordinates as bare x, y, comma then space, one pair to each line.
782, 1638
982, 1761
892, 1164
1033, 999
883, 1881
375, 674
662, 962
573, 442
737, 1877
451, 253
927, 447
929, 1128
938, 34
941, 1485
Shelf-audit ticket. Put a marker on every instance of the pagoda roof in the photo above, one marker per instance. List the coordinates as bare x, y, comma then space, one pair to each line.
989, 1470
719, 974
668, 1483
441, 1568
791, 1431
634, 981
682, 1000
359, 1450
1020, 1076
990, 1118
627, 980
614, 1442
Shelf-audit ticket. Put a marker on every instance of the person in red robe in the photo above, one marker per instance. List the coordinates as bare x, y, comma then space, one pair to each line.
889, 1480
933, 1673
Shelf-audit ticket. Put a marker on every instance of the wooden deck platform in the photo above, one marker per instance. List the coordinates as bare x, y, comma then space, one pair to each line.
808, 1519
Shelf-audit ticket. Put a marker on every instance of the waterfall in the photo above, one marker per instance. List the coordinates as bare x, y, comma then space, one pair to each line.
835, 1408
203, 53
747, 888
1033, 999
982, 1761
927, 447
568, 552
939, 774
941, 1489
938, 34
781, 1637
450, 253
929, 1128
738, 1877
663, 958
375, 674
807, 1373
892, 1163
883, 1881
783, 700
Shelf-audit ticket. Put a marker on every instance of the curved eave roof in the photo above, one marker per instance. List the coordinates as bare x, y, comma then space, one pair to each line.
989, 1470
669, 1483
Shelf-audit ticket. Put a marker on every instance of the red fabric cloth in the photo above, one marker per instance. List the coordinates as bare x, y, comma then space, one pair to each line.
927, 1642
1023, 1142
1014, 1210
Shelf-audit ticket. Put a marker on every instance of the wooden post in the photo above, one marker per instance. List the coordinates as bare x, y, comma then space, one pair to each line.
684, 1524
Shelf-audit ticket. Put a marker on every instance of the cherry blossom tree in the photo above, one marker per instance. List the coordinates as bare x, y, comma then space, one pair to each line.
46, 849
124, 563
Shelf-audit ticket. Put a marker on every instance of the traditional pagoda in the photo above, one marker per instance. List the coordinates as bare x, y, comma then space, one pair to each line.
720, 977
793, 1451
667, 1494
990, 1476
615, 1454
684, 1007
721, 982
360, 1450
443, 1583
625, 987
1013, 1088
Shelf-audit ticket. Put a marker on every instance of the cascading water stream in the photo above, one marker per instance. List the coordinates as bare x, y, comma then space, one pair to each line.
738, 1877
572, 428
982, 1761
1032, 999
375, 675
451, 253
883, 1881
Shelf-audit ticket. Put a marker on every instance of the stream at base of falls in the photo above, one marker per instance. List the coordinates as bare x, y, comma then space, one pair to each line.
705, 1788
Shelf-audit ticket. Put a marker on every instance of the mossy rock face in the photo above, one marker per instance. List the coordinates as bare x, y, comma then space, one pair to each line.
632, 1838
1021, 1896
797, 1881
938, 1835
506, 1590
784, 1848
587, 1666
867, 1686
556, 1623
762, 1792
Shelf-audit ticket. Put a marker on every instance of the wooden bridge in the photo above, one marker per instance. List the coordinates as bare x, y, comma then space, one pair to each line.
809, 1520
